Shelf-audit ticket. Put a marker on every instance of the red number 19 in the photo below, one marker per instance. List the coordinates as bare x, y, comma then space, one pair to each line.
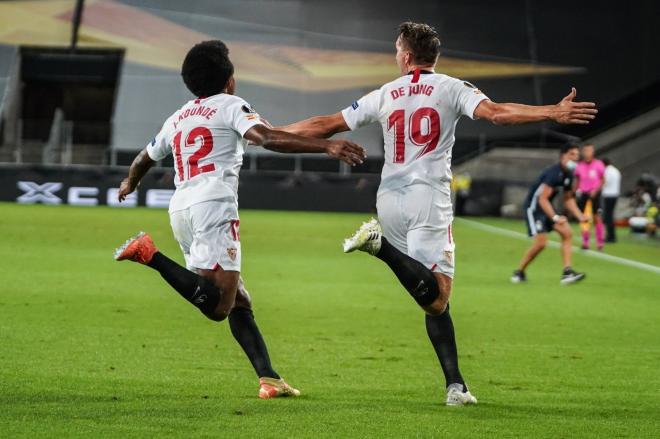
429, 140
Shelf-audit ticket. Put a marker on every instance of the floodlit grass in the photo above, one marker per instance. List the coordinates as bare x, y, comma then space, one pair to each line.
95, 348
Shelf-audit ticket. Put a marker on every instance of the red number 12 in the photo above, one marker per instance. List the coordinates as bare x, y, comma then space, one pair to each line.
194, 169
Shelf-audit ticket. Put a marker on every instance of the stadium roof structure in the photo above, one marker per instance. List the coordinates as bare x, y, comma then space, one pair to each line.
154, 41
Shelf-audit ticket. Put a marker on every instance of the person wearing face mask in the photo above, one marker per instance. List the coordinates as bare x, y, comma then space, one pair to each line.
541, 217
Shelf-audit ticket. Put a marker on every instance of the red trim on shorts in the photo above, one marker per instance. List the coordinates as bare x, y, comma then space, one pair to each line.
415, 77
434, 267
450, 233
215, 267
235, 232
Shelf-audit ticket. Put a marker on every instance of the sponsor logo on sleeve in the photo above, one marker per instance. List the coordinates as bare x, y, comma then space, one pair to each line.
250, 113
355, 105
153, 142
475, 90
247, 109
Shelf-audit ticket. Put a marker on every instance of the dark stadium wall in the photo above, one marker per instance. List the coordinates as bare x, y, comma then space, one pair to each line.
327, 192
98, 186
617, 42
614, 42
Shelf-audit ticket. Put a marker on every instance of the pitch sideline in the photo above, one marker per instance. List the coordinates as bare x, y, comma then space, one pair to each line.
598, 255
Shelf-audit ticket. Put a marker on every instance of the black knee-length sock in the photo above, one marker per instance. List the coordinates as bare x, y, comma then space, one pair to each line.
245, 331
441, 333
418, 280
196, 289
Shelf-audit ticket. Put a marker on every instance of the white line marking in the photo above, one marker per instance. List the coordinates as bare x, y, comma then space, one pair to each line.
554, 244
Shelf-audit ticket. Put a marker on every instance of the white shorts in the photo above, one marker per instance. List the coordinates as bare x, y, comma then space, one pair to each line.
208, 235
417, 219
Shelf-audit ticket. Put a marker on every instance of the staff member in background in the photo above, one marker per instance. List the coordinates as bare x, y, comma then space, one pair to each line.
542, 218
611, 192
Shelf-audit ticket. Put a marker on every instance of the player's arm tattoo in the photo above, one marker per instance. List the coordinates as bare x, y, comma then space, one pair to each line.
141, 164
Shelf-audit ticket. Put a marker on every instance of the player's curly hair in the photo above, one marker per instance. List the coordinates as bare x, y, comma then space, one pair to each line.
207, 68
421, 40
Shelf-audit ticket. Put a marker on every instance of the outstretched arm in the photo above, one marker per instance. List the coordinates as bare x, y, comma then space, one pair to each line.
141, 164
318, 126
285, 142
565, 112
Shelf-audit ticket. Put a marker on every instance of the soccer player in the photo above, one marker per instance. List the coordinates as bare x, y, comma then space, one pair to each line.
207, 136
418, 113
589, 176
541, 217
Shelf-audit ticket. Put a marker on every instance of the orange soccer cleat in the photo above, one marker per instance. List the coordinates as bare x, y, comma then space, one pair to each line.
140, 249
273, 388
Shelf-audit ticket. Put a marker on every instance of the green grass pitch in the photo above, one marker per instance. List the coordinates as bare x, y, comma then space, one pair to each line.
90, 347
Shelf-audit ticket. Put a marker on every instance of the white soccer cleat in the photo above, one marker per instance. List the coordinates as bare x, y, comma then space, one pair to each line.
518, 277
456, 395
366, 239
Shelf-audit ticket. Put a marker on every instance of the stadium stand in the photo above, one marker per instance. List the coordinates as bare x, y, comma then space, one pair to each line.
317, 73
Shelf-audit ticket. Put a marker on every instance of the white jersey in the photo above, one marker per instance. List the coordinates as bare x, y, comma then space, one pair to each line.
418, 113
612, 185
206, 138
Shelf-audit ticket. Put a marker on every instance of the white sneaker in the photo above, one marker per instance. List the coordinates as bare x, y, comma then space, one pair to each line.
456, 396
571, 276
518, 277
366, 239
